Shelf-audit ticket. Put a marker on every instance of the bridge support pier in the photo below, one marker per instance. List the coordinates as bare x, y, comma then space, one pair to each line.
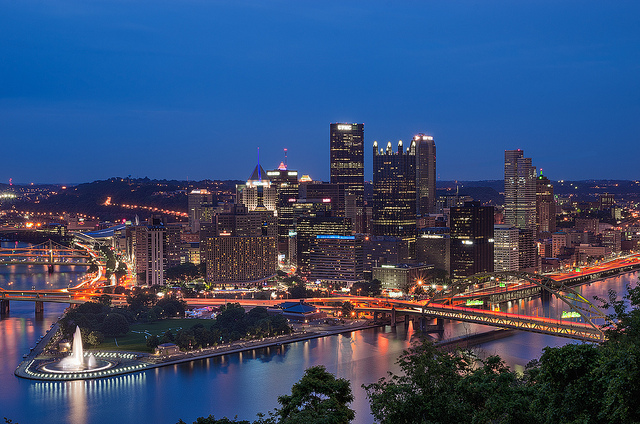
423, 324
39, 308
4, 307
406, 322
393, 317
50, 269
375, 317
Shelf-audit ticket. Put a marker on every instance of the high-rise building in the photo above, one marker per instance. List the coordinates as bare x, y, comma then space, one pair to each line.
308, 228
505, 248
257, 193
519, 190
197, 199
242, 246
545, 206
520, 203
471, 239
434, 247
337, 258
425, 174
285, 182
150, 259
346, 147
394, 193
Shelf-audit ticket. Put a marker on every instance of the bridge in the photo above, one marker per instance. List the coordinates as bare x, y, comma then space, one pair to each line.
49, 253
580, 319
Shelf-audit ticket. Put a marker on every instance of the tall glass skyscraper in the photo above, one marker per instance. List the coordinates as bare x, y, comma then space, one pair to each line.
425, 174
347, 157
520, 203
394, 193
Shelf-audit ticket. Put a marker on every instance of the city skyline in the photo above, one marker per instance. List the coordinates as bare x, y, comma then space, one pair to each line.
191, 90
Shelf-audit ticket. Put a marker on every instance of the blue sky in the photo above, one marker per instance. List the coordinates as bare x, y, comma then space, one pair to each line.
190, 89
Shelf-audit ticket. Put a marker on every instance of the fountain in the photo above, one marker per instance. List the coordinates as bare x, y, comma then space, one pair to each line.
77, 361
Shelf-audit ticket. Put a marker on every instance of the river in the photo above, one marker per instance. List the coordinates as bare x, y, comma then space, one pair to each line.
239, 384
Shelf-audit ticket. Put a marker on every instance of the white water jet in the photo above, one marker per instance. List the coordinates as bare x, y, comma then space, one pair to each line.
76, 360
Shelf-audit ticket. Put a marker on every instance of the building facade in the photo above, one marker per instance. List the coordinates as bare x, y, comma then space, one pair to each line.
471, 239
394, 193
425, 174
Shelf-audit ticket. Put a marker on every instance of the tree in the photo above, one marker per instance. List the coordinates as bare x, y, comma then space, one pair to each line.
105, 299
428, 390
347, 309
114, 325
153, 341
319, 397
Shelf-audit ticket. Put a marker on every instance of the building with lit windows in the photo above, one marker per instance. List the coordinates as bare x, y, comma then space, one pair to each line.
401, 276
471, 239
308, 228
285, 182
545, 206
520, 204
336, 258
257, 192
241, 247
425, 174
346, 147
505, 248
394, 193
197, 200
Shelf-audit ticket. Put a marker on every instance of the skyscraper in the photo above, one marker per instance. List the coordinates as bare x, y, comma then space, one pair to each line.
471, 239
196, 201
519, 190
425, 174
285, 182
394, 193
346, 146
257, 193
520, 203
545, 206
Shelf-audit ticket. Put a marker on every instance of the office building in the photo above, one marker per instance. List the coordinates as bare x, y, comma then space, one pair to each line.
394, 193
257, 193
308, 228
196, 200
285, 182
505, 248
471, 239
425, 174
433, 246
346, 145
336, 259
545, 206
241, 247
520, 204
402, 276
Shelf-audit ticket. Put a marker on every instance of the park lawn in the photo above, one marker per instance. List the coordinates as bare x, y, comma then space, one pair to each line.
135, 340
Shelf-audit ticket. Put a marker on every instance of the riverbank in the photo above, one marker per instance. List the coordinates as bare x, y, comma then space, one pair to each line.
130, 362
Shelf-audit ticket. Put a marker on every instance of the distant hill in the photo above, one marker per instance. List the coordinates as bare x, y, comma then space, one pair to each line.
91, 198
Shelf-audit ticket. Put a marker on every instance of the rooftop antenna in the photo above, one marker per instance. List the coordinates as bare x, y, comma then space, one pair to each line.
259, 173
286, 165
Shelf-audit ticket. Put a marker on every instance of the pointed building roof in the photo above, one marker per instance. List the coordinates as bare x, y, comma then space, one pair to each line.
258, 174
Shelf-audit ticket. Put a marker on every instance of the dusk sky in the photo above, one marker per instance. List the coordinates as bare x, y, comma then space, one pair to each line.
190, 89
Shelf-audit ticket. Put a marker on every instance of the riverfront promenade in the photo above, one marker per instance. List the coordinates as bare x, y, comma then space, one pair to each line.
129, 362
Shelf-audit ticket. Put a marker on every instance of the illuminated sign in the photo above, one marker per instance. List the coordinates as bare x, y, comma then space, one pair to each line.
475, 302
344, 127
333, 237
292, 173
273, 173
326, 200
566, 314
